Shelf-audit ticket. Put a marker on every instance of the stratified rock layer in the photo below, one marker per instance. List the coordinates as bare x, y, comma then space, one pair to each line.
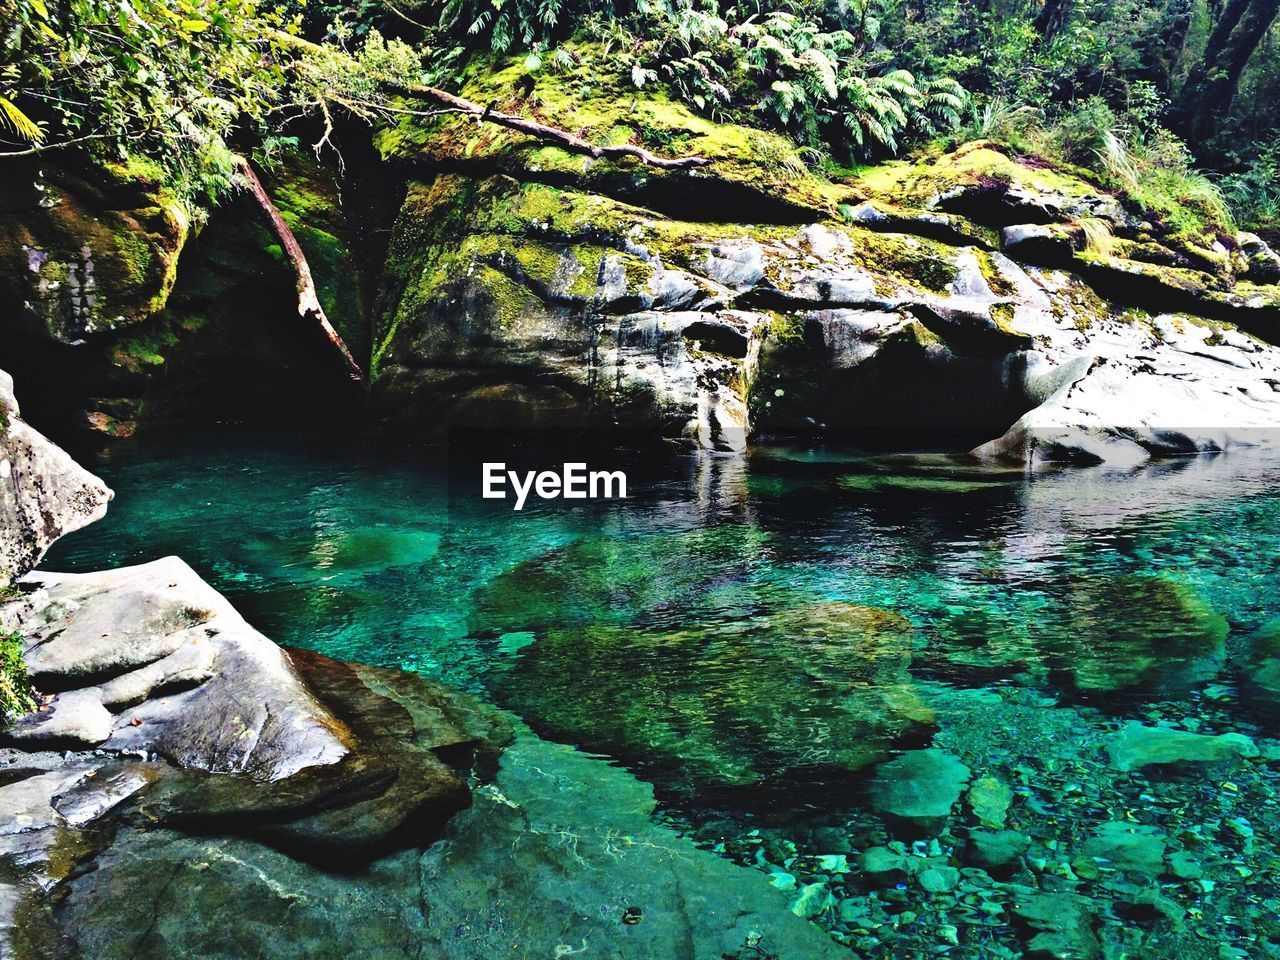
173, 711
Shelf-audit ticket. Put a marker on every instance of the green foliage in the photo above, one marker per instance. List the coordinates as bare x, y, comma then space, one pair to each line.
167, 86
847, 80
15, 686
1254, 191
168, 79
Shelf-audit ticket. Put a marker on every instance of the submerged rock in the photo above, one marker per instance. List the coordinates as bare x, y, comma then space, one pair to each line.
1138, 633
1059, 926
1127, 846
821, 688
920, 787
560, 853
1260, 673
564, 844
997, 851
1139, 745
989, 798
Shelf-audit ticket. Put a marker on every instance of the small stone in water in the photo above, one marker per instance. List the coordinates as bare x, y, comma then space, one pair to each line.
783, 881
939, 879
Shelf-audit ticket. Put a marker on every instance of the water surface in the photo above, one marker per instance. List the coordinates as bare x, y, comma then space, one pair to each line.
762, 639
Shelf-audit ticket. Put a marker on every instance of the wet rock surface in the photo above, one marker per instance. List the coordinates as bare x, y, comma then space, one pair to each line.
171, 711
43, 492
559, 853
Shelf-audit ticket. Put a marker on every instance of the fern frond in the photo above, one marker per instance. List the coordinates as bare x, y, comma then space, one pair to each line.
17, 121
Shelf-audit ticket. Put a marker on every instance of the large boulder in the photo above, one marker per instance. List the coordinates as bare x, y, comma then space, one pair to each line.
976, 299
166, 709
43, 492
802, 690
85, 252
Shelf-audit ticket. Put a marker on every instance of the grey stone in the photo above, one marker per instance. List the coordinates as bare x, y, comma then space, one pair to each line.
1127, 846
938, 879
989, 798
44, 494
72, 720
996, 850
253, 715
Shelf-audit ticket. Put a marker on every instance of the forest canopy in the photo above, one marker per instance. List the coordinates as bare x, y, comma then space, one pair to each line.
1179, 96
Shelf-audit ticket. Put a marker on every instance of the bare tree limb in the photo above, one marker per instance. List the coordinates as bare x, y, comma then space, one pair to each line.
540, 131
309, 307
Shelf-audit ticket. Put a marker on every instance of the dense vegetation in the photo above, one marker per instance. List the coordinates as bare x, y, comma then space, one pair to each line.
1145, 92
15, 685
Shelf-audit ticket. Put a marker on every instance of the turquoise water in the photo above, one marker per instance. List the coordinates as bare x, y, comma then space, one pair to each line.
907, 689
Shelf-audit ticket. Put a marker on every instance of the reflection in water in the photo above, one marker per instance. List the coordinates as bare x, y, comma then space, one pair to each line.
948, 708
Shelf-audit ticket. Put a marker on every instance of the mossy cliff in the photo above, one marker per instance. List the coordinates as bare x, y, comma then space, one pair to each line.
87, 251
937, 301
149, 315
977, 298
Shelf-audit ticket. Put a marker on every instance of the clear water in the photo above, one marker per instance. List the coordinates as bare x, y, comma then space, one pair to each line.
756, 637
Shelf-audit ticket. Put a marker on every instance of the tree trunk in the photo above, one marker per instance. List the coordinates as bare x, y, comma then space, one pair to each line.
309, 307
1164, 49
540, 131
1211, 86
1053, 17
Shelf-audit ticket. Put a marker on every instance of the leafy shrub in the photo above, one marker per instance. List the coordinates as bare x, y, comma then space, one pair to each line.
15, 686
1255, 191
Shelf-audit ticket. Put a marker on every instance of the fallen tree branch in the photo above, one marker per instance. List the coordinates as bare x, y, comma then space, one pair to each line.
540, 131
309, 307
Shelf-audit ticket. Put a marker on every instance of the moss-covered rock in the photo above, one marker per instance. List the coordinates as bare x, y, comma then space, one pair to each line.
1139, 634
84, 252
715, 706
754, 175
846, 664
230, 317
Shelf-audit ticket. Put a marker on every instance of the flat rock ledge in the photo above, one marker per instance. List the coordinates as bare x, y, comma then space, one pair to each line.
163, 708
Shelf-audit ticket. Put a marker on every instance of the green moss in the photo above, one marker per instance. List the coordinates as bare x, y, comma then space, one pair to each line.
15, 685
1002, 315
593, 100
978, 164
786, 328
912, 260
144, 347
921, 335
1000, 285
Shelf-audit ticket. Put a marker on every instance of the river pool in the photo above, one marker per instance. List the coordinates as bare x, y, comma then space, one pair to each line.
948, 709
